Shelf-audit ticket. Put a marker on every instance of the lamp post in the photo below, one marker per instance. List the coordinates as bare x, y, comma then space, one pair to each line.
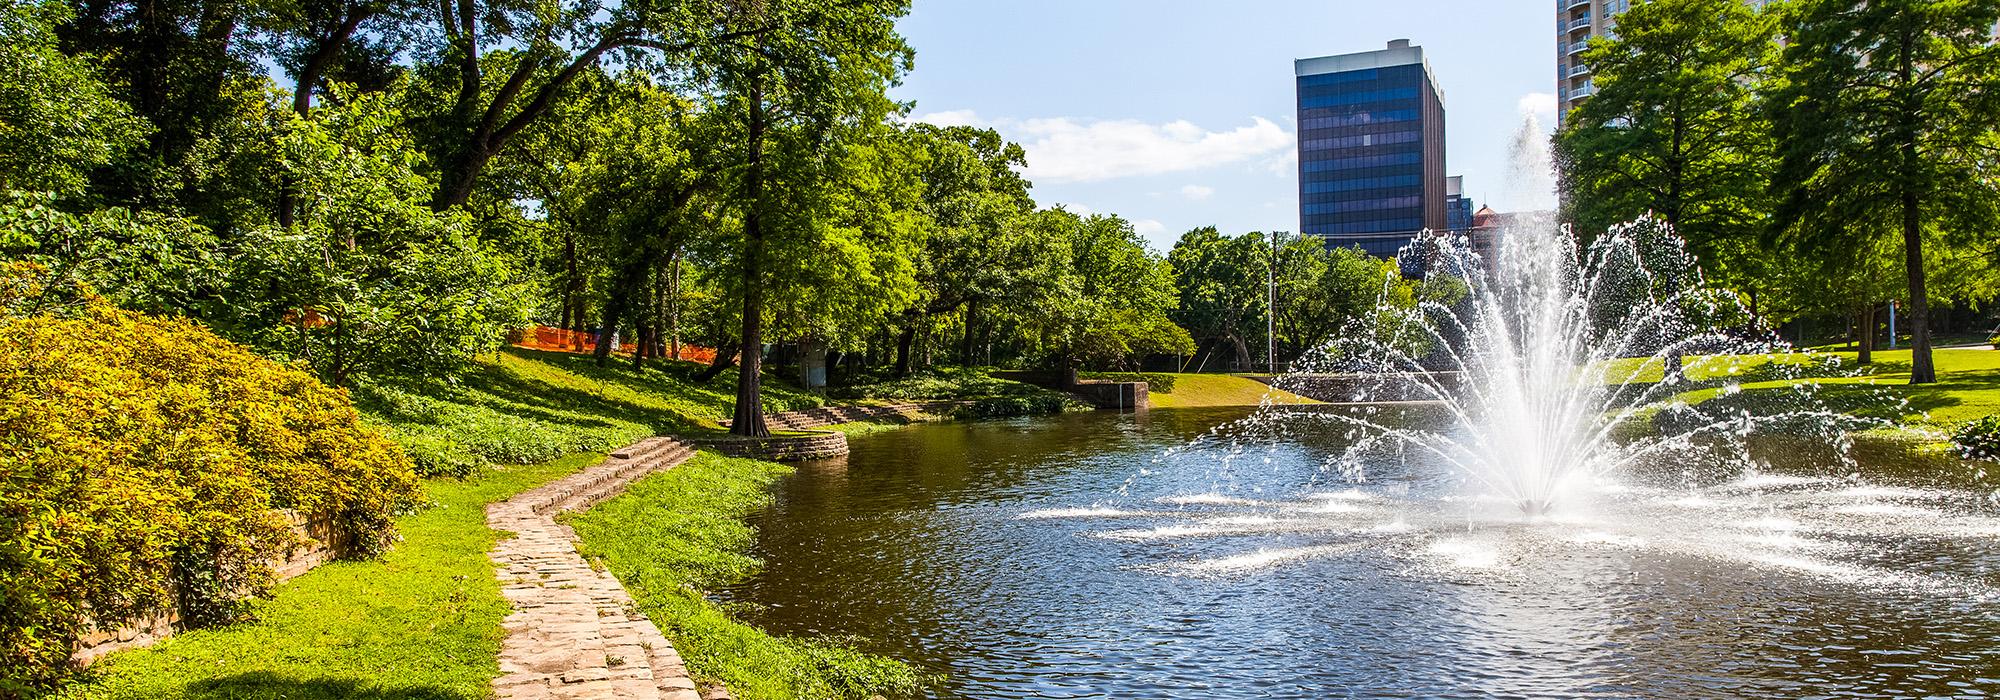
1271, 309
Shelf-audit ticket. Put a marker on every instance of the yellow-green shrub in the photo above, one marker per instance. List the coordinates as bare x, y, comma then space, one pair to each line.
143, 463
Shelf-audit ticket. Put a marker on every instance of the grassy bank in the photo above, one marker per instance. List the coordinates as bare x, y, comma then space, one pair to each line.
1968, 385
1204, 390
422, 622
677, 533
525, 406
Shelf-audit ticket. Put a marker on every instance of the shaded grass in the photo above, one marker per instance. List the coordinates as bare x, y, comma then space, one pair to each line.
677, 533
422, 622
1204, 390
525, 406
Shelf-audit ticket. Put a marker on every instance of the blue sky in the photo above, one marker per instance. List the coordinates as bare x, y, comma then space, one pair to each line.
1180, 114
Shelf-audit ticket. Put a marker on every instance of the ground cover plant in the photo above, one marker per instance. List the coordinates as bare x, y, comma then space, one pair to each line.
680, 532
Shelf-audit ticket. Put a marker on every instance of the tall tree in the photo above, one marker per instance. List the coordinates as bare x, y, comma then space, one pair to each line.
1886, 123
58, 120
978, 250
502, 67
1672, 131
794, 74
1221, 285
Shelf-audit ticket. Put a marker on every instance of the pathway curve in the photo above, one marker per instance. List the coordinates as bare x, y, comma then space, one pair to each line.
574, 632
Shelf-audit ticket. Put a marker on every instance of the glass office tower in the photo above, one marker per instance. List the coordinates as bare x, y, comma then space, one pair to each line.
1371, 148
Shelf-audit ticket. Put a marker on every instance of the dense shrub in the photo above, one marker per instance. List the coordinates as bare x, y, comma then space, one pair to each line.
1155, 381
1978, 439
143, 466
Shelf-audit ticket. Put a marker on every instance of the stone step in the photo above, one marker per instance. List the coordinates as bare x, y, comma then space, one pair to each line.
597, 493
637, 460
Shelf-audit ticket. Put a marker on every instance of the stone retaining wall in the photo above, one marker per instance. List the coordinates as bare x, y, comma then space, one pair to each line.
806, 419
1371, 388
321, 543
1102, 394
781, 448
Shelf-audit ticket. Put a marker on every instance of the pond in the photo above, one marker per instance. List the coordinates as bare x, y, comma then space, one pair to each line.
1098, 555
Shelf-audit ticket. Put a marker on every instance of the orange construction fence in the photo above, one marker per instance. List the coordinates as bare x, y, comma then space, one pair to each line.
561, 340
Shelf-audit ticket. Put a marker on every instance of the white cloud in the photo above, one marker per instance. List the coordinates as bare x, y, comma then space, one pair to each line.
1148, 227
1196, 192
1541, 105
956, 117
1285, 164
1063, 149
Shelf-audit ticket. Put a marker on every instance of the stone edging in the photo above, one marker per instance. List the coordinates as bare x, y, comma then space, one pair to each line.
574, 632
806, 419
817, 444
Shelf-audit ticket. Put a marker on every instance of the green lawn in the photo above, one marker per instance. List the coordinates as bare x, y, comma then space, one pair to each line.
525, 406
677, 533
1202, 390
423, 622
1968, 385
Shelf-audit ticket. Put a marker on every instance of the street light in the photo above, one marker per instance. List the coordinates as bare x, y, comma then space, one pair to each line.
1271, 309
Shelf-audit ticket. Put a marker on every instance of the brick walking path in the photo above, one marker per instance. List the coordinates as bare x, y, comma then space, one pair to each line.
574, 632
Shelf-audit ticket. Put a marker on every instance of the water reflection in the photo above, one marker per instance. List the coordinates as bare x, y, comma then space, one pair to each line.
1086, 556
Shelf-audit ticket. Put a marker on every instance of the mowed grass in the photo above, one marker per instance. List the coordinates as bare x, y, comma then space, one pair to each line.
423, 622
1206, 390
1968, 385
677, 533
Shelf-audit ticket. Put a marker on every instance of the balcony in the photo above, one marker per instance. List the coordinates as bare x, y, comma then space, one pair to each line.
1578, 69
1567, 5
1582, 92
1578, 47
1575, 24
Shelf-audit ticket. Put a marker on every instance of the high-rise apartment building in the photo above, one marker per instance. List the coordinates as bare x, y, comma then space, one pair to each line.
1371, 148
1576, 22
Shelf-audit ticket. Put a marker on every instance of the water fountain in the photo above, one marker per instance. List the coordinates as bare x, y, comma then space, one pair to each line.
1560, 360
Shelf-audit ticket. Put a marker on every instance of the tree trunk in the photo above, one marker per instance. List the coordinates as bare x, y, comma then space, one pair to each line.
1865, 333
965, 355
903, 343
456, 181
627, 283
674, 306
570, 312
749, 414
1922, 371
725, 357
1242, 352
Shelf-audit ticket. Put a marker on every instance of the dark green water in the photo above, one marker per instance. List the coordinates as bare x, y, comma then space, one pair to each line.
1100, 555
